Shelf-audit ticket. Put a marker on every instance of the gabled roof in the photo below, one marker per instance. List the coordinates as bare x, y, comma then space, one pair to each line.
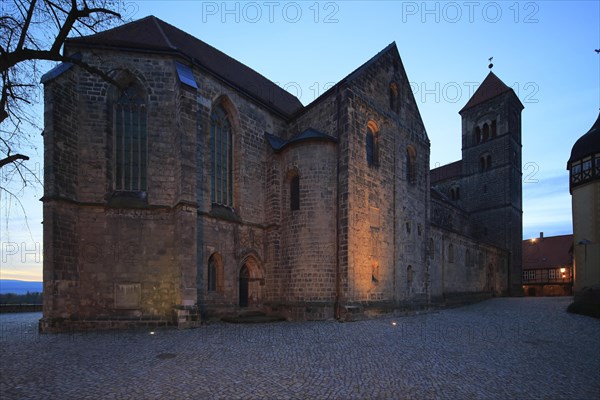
547, 252
491, 87
278, 144
586, 145
357, 72
445, 172
154, 35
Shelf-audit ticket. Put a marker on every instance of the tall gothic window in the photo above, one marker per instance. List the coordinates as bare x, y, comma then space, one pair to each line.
295, 193
221, 149
130, 147
372, 146
214, 276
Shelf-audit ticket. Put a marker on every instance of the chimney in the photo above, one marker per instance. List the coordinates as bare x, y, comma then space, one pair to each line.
541, 235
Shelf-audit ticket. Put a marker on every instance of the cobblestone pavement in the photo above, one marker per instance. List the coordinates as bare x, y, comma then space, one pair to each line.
507, 348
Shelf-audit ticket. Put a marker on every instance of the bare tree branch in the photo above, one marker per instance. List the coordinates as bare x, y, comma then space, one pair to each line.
32, 34
12, 158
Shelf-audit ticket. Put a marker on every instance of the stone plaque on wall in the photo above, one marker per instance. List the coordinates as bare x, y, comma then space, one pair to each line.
128, 295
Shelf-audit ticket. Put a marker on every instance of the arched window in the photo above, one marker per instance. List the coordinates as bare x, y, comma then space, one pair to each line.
485, 132
221, 151
411, 164
295, 193
214, 275
455, 193
450, 253
394, 98
130, 141
485, 162
409, 277
494, 133
372, 145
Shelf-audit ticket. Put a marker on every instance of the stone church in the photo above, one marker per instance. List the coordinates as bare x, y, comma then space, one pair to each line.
192, 187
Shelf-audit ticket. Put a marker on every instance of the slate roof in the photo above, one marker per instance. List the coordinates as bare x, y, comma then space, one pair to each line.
445, 172
586, 145
278, 144
547, 252
154, 35
491, 87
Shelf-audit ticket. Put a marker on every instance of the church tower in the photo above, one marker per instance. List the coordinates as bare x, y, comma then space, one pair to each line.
491, 170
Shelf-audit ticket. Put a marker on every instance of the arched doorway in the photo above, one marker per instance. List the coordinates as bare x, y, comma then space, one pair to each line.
244, 280
251, 282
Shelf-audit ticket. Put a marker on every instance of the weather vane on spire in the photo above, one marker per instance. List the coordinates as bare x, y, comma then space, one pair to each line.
491, 65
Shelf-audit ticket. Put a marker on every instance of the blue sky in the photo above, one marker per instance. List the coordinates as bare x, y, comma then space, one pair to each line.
543, 49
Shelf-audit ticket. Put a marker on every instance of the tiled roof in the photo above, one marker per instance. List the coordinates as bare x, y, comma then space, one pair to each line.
279, 144
491, 87
586, 145
547, 252
155, 35
445, 172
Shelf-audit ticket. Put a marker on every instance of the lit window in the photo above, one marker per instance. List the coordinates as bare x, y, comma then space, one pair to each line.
528, 275
221, 148
130, 147
372, 146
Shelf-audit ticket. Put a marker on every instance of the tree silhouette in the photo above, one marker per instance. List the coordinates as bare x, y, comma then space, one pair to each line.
32, 32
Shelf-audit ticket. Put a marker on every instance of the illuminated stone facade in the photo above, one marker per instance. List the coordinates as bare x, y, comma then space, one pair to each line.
199, 188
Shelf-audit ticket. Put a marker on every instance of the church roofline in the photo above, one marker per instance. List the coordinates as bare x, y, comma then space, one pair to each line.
446, 172
151, 34
348, 78
491, 87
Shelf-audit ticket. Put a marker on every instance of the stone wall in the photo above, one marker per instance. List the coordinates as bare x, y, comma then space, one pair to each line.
461, 266
107, 257
366, 234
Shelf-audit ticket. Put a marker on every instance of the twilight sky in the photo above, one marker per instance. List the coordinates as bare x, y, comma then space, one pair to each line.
544, 50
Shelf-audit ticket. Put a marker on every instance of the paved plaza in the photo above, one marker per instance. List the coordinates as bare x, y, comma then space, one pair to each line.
505, 348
